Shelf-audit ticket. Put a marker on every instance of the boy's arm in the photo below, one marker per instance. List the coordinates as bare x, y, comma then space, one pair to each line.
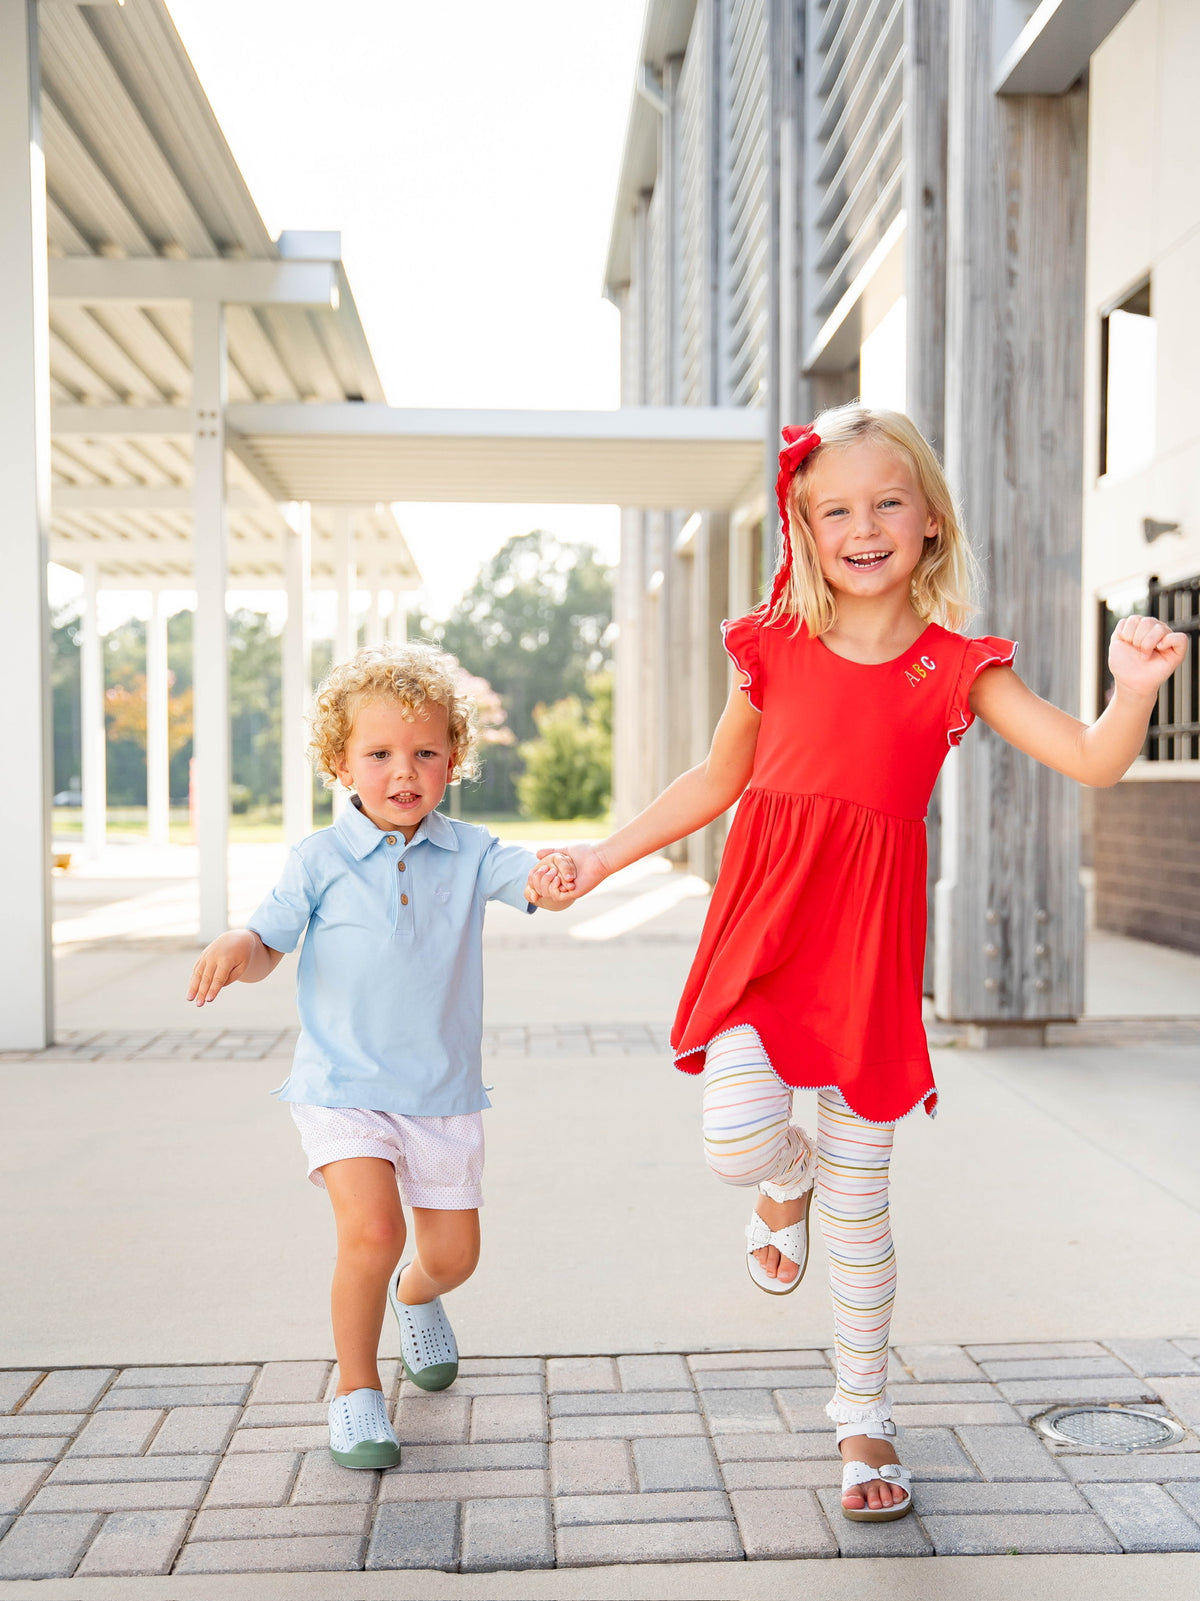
1144, 652
238, 955
250, 954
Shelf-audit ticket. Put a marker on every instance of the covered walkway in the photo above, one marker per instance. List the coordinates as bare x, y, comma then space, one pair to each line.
189, 403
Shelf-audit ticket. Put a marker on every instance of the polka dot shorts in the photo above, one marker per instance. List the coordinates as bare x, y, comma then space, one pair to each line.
438, 1160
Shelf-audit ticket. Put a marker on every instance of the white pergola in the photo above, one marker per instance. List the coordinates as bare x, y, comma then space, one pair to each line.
187, 402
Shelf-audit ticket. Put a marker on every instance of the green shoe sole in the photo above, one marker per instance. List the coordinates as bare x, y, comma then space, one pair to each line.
438, 1377
368, 1454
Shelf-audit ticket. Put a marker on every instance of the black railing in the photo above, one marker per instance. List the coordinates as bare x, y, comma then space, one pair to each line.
1175, 722
1174, 734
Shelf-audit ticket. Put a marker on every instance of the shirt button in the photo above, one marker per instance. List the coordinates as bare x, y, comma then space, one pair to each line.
390, 839
404, 900
400, 866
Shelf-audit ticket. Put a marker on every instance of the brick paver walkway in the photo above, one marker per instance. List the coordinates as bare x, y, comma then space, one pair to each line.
527, 1463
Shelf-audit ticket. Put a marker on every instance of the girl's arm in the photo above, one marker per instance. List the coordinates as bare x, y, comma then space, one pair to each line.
240, 954
1143, 654
694, 799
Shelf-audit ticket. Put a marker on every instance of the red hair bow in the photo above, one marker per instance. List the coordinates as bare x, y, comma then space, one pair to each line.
798, 444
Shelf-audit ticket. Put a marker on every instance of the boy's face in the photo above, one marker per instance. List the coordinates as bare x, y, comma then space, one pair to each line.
869, 519
399, 766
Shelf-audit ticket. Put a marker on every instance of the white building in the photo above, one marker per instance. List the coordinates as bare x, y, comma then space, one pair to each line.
943, 205
1142, 442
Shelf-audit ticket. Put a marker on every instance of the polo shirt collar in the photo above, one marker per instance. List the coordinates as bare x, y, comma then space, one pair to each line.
361, 836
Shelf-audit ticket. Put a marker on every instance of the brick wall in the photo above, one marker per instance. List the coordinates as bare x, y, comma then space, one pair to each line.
1144, 842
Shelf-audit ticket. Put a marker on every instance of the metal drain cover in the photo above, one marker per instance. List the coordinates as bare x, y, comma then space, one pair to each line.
1108, 1428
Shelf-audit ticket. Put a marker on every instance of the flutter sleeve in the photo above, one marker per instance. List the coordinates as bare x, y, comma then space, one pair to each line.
742, 638
979, 655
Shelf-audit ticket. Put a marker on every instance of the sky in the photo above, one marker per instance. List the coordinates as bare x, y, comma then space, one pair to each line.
469, 155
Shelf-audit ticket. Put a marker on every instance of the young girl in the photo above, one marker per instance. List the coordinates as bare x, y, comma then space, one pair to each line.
853, 686
385, 1087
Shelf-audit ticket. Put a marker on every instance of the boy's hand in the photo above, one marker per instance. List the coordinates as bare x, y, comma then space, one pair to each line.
221, 963
1144, 653
588, 868
552, 882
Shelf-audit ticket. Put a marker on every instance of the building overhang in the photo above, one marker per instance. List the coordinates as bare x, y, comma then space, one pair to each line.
665, 33
1054, 47
641, 456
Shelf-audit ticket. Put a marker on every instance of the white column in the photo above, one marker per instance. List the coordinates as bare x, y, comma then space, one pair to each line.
93, 736
158, 743
374, 615
398, 621
211, 640
26, 983
345, 577
297, 677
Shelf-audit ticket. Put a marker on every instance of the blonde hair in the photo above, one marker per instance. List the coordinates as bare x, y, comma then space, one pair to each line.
945, 575
411, 676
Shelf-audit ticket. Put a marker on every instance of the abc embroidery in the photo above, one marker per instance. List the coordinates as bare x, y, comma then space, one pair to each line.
916, 671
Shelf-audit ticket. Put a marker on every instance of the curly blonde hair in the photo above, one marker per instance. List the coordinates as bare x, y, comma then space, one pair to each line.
411, 676
947, 572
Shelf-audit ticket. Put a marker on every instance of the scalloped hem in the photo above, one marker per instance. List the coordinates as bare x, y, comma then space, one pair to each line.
851, 1412
875, 1122
954, 735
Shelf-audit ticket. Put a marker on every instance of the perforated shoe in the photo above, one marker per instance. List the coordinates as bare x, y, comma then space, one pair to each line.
360, 1432
428, 1349
790, 1242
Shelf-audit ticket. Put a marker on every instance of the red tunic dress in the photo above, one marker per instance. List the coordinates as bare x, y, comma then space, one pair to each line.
815, 935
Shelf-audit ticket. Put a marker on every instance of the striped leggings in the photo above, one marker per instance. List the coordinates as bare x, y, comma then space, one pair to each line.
749, 1138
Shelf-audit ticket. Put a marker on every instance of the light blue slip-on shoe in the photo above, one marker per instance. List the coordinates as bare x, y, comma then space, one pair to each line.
360, 1432
428, 1349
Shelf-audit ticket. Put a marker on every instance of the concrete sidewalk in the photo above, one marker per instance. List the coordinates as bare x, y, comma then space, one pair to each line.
157, 1217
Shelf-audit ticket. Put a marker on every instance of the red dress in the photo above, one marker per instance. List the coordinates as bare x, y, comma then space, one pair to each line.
815, 935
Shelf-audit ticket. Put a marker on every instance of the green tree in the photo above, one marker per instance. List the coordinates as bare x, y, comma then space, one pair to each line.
568, 767
536, 623
255, 691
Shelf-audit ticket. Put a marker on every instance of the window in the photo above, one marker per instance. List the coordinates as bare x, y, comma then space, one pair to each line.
1127, 384
1174, 734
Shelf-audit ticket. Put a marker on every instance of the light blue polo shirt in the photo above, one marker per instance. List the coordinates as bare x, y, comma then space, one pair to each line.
390, 980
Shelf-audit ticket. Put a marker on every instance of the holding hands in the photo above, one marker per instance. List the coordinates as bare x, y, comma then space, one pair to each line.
1143, 654
564, 876
552, 883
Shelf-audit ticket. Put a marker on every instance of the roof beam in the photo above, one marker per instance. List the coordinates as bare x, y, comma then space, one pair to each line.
633, 424
124, 421
628, 424
139, 497
157, 281
1056, 44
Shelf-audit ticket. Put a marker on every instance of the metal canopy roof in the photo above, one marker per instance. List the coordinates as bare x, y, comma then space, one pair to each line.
646, 456
147, 212
138, 171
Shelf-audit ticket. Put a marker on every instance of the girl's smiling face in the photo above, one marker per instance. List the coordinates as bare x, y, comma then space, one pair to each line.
399, 766
869, 519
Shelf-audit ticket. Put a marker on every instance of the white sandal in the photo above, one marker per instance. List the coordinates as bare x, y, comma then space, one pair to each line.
856, 1473
791, 1242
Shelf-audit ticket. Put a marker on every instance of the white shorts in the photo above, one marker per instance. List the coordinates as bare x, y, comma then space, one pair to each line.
438, 1160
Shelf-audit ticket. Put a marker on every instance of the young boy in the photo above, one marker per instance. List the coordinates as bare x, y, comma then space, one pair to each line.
386, 1086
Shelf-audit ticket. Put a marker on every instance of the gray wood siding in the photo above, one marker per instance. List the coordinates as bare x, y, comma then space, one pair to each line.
746, 218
